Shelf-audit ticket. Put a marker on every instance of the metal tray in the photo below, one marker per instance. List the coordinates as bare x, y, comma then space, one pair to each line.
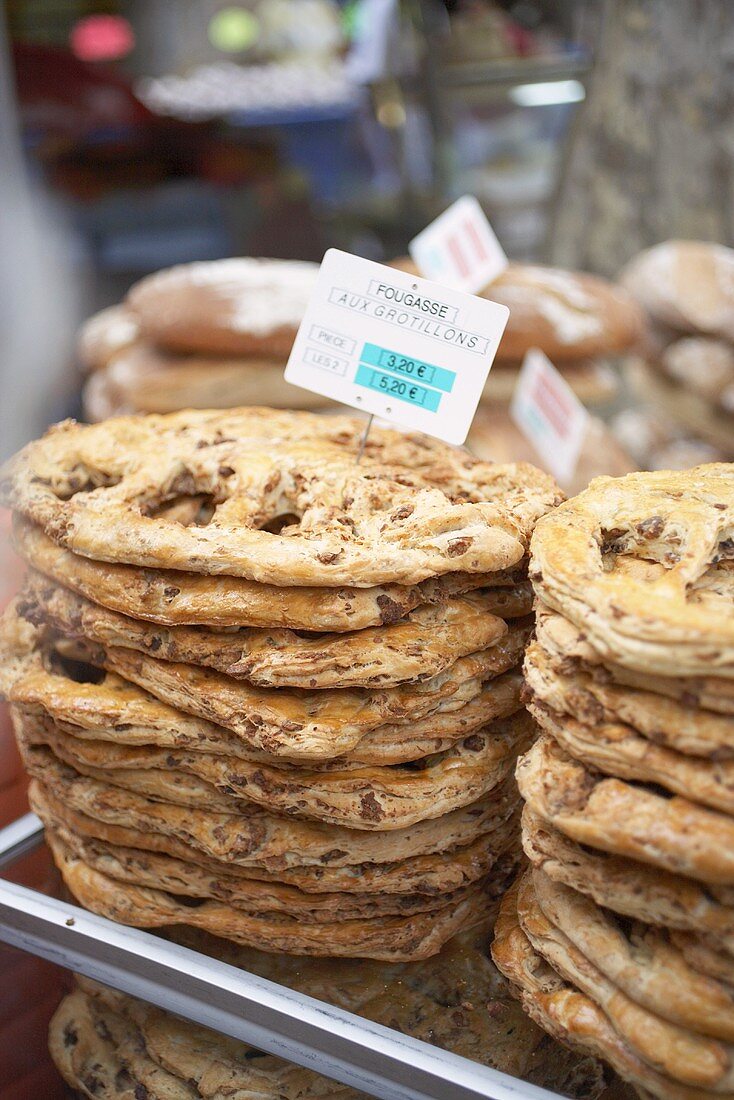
272, 1017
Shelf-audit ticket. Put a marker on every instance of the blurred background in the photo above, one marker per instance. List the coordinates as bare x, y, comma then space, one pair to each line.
136, 134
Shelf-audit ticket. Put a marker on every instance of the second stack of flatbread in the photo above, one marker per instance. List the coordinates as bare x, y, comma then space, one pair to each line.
265, 691
619, 938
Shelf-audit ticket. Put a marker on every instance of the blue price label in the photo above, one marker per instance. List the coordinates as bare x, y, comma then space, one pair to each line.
400, 388
416, 369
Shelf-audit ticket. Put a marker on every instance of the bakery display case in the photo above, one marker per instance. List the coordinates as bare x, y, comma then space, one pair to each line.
271, 1017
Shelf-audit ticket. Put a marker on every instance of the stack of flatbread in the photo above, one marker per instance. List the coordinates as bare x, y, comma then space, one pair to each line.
108, 1045
620, 936
266, 691
203, 335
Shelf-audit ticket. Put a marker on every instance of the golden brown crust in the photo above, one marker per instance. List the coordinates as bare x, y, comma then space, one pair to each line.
374, 799
616, 750
569, 1015
669, 1049
171, 597
431, 875
686, 285
296, 725
239, 306
568, 314
628, 887
642, 961
660, 718
99, 1054
570, 652
190, 880
199, 491
308, 726
391, 938
644, 566
36, 676
625, 819
254, 837
146, 379
423, 644
105, 334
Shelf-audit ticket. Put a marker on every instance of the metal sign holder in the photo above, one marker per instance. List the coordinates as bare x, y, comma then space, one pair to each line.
274, 1018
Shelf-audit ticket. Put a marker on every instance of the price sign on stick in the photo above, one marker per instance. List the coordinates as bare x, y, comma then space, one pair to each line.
550, 415
395, 345
459, 248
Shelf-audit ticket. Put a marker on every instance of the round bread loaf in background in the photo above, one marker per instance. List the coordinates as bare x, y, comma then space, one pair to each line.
242, 306
568, 315
688, 285
104, 334
704, 365
144, 378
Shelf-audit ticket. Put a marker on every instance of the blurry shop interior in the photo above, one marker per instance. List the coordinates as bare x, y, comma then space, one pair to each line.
143, 134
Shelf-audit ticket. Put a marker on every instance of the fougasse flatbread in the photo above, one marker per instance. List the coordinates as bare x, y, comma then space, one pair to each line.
360, 886
360, 798
571, 1016
401, 939
86, 701
628, 887
641, 959
644, 565
693, 1059
171, 597
275, 497
421, 645
626, 819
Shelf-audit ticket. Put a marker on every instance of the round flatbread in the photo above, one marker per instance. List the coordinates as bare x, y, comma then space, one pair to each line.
569, 1015
275, 497
304, 725
643, 961
375, 798
617, 750
627, 887
669, 1049
85, 701
644, 565
431, 875
423, 644
190, 880
401, 939
101, 1055
660, 718
255, 837
173, 598
569, 651
626, 819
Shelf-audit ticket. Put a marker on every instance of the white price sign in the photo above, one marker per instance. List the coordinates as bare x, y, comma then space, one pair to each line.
395, 345
459, 248
549, 414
